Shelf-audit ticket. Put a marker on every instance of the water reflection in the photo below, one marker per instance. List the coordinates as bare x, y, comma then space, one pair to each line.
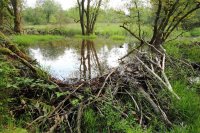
82, 59
89, 60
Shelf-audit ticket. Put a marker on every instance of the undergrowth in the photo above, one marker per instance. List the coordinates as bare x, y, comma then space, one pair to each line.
186, 111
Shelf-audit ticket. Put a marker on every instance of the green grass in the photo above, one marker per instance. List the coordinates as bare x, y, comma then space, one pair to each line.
104, 29
14, 130
184, 48
111, 30
31, 39
187, 110
118, 37
195, 32
101, 29
110, 121
7, 123
107, 29
91, 37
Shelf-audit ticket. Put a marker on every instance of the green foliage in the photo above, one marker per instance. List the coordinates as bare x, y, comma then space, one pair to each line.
184, 48
75, 102
109, 29
6, 72
72, 14
192, 53
15, 130
73, 29
91, 37
10, 82
34, 16
173, 49
44, 12
90, 119
50, 7
31, 39
195, 32
186, 110
192, 21
110, 120
59, 94
114, 120
110, 16
21, 82
115, 37
39, 14
5, 16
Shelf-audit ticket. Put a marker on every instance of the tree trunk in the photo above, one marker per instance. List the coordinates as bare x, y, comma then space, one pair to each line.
88, 18
91, 16
94, 19
48, 17
81, 15
17, 16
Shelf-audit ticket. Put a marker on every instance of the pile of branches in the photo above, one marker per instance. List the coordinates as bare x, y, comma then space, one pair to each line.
140, 81
131, 81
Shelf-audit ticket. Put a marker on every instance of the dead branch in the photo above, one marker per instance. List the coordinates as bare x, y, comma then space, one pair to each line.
79, 116
156, 108
167, 85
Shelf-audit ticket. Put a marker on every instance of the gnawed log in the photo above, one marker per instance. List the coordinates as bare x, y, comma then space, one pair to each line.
8, 52
7, 43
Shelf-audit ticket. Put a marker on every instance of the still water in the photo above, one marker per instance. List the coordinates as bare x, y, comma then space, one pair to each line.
78, 59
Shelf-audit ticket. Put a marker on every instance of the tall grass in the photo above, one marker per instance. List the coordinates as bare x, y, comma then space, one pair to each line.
187, 110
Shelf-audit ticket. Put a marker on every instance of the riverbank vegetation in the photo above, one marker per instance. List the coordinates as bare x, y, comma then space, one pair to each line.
24, 40
156, 87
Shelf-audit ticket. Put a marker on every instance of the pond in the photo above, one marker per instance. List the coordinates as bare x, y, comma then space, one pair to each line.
78, 59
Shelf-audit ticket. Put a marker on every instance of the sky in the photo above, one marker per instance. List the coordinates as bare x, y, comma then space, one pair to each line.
66, 4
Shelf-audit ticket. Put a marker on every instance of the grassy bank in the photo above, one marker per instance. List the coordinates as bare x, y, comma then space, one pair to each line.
107, 30
185, 48
31, 39
72, 29
186, 111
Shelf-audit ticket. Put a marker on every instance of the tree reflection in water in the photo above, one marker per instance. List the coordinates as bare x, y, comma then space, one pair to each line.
89, 58
81, 59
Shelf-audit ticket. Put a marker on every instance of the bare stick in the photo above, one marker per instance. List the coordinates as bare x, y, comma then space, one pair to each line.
138, 109
105, 83
167, 85
79, 115
157, 109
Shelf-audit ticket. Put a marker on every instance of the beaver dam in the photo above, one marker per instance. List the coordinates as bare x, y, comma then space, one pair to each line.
135, 87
